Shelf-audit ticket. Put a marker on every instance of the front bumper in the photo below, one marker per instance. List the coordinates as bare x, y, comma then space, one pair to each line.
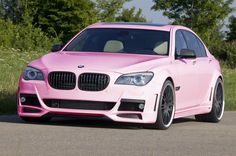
113, 94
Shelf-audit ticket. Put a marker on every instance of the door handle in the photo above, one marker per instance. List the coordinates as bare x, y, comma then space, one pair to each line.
210, 60
194, 62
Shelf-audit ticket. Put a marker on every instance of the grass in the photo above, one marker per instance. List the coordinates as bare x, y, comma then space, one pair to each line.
12, 63
230, 88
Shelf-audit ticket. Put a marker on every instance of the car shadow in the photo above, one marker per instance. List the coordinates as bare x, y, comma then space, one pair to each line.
184, 120
75, 122
87, 122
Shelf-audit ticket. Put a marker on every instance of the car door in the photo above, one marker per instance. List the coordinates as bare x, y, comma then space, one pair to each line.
204, 69
186, 75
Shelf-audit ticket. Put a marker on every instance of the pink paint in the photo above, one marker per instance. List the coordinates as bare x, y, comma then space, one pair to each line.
195, 77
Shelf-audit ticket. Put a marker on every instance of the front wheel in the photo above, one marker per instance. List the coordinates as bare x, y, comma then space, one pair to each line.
166, 107
217, 110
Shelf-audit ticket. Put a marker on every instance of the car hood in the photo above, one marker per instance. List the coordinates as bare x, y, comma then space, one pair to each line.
92, 61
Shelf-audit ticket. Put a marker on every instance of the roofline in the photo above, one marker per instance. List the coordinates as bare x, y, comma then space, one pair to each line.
134, 23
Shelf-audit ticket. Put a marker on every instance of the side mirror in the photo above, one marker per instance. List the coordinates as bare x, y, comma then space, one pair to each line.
187, 54
56, 47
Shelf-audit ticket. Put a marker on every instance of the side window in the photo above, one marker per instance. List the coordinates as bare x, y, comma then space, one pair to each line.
202, 52
179, 42
194, 43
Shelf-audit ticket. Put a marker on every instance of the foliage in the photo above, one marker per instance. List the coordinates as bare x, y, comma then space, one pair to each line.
113, 11
231, 34
129, 15
60, 18
9, 10
23, 37
64, 18
226, 52
205, 18
108, 9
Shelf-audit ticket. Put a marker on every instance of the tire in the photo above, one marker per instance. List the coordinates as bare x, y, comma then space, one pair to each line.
36, 119
166, 107
217, 110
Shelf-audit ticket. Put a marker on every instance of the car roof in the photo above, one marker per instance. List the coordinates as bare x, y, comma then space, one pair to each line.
137, 25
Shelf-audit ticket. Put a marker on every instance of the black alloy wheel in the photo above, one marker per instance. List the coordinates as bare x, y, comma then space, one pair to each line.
166, 107
217, 109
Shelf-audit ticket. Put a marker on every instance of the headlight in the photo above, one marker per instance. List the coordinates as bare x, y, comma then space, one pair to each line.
32, 74
138, 79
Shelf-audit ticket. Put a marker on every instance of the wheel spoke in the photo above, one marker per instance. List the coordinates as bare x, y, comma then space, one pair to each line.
218, 100
164, 117
168, 116
167, 105
170, 113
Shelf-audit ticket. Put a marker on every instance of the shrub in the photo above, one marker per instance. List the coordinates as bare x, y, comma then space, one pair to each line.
24, 37
225, 52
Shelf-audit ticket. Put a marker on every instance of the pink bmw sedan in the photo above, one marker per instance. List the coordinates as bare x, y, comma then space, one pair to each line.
127, 72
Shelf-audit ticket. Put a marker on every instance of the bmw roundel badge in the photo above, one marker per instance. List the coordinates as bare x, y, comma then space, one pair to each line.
80, 66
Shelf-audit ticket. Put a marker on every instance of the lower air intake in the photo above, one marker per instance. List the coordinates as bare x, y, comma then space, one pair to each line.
75, 104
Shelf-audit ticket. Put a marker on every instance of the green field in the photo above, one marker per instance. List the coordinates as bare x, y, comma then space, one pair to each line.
12, 62
230, 88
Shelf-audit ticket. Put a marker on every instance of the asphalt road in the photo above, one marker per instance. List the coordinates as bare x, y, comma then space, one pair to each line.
77, 137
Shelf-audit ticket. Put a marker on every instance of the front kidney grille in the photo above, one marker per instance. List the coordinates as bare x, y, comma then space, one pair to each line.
93, 81
62, 80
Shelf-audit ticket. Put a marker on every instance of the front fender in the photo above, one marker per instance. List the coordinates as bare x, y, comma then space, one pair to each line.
160, 77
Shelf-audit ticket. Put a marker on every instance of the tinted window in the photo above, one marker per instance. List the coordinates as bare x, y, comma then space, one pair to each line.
132, 41
179, 42
193, 43
202, 52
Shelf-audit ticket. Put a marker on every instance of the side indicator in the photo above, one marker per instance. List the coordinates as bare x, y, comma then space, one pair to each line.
177, 88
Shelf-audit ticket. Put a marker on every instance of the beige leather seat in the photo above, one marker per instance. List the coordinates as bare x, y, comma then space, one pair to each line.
161, 48
113, 46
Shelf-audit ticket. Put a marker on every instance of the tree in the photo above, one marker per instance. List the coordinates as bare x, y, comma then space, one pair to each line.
64, 18
204, 17
129, 15
113, 11
61, 18
231, 34
109, 9
9, 10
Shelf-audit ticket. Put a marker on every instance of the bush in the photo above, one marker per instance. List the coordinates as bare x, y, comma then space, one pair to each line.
24, 37
225, 52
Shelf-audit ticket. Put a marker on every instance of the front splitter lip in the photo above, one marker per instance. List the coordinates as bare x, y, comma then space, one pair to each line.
85, 113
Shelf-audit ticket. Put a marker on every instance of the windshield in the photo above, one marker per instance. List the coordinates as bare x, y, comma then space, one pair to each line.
116, 40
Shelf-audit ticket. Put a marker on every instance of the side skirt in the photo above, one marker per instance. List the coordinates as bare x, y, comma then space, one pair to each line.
192, 111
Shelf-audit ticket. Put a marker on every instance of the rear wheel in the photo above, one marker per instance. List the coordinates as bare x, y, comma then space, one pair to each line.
166, 107
217, 110
35, 119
